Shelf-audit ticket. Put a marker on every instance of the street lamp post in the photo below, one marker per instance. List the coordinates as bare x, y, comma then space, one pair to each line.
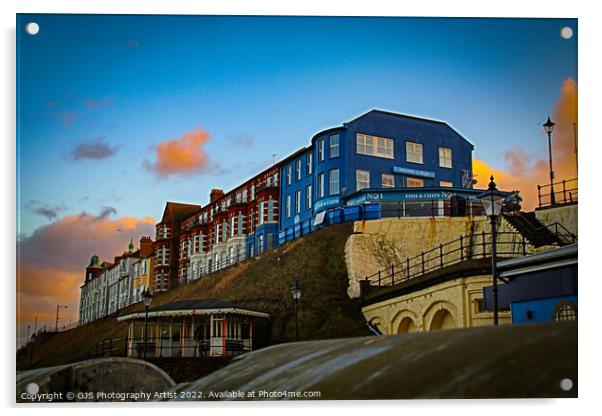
493, 201
147, 298
548, 127
296, 292
56, 323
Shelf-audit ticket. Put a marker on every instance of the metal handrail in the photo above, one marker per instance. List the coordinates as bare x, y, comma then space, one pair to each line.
464, 248
565, 192
554, 229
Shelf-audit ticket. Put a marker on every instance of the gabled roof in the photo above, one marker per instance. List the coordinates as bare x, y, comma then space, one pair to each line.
175, 211
436, 123
390, 113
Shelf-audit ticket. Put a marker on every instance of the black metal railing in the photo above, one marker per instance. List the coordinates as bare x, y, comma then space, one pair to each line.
509, 244
212, 267
176, 346
565, 192
562, 234
110, 347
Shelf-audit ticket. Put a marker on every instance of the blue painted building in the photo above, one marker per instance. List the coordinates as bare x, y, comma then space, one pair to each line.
377, 150
541, 287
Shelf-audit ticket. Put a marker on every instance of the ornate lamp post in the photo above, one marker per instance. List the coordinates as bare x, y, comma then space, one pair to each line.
296, 292
147, 298
493, 201
548, 127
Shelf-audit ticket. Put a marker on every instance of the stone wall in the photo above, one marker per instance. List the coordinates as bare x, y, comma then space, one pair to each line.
566, 215
375, 245
459, 297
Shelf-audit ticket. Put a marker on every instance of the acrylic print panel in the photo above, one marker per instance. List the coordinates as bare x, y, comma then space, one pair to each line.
269, 208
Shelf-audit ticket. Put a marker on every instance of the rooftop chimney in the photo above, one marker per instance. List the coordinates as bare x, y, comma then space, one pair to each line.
146, 246
216, 194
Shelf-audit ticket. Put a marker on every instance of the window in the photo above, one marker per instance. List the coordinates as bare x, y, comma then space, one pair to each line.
298, 169
565, 311
414, 183
308, 197
239, 223
445, 157
320, 185
446, 183
289, 174
308, 164
414, 152
388, 181
362, 179
334, 145
288, 206
321, 150
261, 210
333, 182
232, 226
374, 146
297, 202
270, 210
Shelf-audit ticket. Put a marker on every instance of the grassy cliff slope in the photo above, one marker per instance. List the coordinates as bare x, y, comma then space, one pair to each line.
317, 261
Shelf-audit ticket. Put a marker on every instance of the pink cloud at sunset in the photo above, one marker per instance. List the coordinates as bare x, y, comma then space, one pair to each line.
51, 262
182, 156
525, 171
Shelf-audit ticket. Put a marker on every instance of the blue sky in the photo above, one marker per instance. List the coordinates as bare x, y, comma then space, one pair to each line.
270, 83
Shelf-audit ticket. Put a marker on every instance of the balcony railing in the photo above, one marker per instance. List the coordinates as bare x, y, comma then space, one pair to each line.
565, 192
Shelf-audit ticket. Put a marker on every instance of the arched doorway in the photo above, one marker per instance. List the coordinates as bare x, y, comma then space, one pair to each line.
406, 325
443, 319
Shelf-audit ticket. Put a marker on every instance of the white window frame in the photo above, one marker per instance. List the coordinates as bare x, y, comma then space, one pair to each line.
309, 164
288, 206
445, 157
334, 184
289, 174
375, 146
320, 185
261, 210
308, 197
297, 202
414, 152
334, 146
362, 179
321, 150
387, 180
298, 169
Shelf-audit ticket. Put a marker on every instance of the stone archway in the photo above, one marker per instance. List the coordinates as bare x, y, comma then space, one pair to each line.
406, 325
442, 319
